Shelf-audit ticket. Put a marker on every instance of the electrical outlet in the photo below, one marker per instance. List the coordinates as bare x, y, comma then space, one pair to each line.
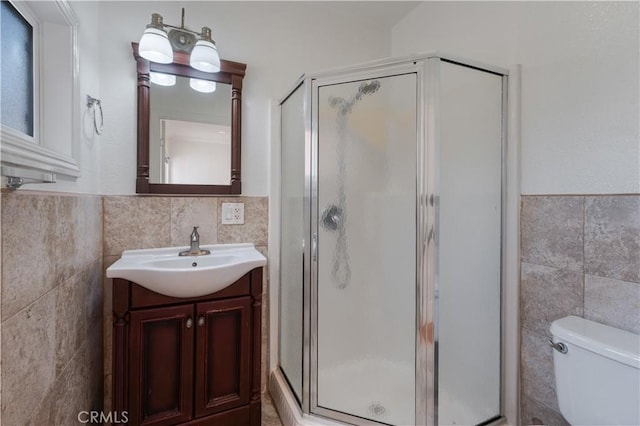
233, 213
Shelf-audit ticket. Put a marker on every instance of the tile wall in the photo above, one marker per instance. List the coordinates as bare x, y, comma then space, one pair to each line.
51, 307
580, 255
135, 222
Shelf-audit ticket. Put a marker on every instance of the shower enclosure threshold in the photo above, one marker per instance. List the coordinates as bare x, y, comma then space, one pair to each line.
287, 406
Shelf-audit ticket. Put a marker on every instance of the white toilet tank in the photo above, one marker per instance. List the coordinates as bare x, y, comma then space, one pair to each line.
598, 378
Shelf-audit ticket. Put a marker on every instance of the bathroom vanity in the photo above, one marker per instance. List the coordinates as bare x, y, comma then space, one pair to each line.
188, 360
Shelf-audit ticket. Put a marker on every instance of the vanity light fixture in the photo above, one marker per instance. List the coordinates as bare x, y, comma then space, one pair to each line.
203, 86
158, 46
162, 79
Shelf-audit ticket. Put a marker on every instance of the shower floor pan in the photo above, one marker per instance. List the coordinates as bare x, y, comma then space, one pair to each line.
378, 390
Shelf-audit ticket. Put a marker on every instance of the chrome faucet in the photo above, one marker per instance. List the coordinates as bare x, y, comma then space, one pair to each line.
194, 249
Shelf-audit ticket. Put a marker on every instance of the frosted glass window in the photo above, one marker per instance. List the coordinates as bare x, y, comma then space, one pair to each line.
17, 70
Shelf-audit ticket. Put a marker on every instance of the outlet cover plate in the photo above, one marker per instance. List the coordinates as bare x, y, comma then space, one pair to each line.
233, 213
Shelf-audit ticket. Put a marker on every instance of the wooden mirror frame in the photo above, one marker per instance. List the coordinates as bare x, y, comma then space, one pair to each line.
230, 73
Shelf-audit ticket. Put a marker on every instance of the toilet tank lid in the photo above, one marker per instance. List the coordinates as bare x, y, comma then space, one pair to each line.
604, 340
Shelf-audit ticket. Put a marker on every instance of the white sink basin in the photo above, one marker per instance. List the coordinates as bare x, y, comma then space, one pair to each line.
163, 271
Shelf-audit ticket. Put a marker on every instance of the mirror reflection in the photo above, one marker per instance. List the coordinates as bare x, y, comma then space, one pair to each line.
190, 131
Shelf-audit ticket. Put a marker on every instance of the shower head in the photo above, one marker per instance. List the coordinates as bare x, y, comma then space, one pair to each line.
369, 87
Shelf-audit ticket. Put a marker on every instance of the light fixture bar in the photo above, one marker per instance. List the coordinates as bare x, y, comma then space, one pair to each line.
156, 46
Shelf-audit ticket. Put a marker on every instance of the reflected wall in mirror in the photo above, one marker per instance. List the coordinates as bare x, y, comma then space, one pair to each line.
190, 134
189, 138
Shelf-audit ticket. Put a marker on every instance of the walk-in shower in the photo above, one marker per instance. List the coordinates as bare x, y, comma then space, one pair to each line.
391, 244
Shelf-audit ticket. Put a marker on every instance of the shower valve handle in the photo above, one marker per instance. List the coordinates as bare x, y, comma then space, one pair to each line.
331, 217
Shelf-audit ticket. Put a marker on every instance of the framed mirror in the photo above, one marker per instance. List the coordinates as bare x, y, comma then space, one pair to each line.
189, 138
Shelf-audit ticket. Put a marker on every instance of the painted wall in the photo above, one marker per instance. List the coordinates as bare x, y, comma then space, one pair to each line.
277, 40
51, 323
580, 67
89, 70
579, 135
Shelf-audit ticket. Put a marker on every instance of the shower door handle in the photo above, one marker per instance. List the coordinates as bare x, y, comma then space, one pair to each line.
314, 247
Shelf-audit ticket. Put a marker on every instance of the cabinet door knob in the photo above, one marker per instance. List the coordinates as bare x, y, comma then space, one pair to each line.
201, 321
189, 322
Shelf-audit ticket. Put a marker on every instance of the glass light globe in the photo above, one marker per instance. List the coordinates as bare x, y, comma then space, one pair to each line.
204, 57
203, 86
155, 47
162, 79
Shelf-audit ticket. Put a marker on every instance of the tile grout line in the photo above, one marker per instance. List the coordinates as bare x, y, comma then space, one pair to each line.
35, 412
55, 287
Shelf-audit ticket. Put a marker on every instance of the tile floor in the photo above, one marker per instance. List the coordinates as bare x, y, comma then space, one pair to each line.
269, 414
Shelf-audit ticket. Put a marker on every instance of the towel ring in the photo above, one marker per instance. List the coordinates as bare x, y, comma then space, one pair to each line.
92, 103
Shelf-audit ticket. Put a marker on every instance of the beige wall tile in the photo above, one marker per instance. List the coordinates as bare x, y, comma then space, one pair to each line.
70, 391
269, 414
63, 232
611, 292
136, 223
88, 230
256, 222
28, 359
70, 319
28, 243
107, 319
612, 302
42, 413
109, 260
552, 231
265, 324
189, 212
68, 227
79, 387
612, 237
534, 413
107, 284
94, 296
537, 374
548, 294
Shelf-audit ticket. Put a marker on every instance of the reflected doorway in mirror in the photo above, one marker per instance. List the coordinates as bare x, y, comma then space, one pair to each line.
194, 153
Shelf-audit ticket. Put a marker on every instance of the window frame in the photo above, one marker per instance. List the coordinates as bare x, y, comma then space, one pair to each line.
35, 152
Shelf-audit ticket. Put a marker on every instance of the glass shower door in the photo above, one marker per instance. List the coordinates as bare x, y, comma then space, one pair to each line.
292, 235
365, 284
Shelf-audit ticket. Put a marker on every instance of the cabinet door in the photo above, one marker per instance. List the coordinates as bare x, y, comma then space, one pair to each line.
223, 357
161, 361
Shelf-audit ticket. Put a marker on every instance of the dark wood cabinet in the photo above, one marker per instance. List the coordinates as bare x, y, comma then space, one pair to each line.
160, 355
223, 364
188, 361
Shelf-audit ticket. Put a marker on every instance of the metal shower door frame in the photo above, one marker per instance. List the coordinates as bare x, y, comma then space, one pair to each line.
303, 84
427, 67
423, 350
